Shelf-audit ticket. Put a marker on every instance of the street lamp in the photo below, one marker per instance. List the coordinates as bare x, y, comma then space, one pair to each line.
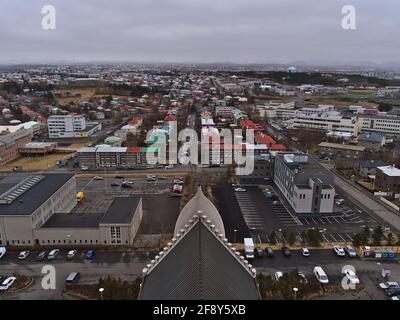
101, 293
295, 292
234, 235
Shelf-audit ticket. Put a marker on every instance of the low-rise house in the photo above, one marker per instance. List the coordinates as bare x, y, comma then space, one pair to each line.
388, 179
367, 168
372, 141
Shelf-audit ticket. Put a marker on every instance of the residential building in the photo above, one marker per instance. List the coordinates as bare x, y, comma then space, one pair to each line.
387, 179
263, 172
10, 142
344, 155
372, 141
306, 187
367, 168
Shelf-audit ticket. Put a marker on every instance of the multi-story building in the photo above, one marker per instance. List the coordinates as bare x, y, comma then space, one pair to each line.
325, 118
70, 126
380, 123
35, 209
306, 187
277, 110
387, 179
344, 155
10, 142
263, 171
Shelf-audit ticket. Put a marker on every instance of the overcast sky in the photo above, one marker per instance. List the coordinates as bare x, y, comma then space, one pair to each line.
243, 31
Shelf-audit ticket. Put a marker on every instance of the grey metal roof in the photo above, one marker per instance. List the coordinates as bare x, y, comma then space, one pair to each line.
199, 205
122, 210
372, 163
199, 267
375, 137
34, 197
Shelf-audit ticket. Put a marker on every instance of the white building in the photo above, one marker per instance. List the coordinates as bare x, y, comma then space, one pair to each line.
380, 123
325, 118
277, 110
70, 126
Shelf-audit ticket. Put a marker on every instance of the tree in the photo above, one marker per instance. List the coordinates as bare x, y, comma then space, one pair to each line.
272, 237
359, 239
390, 239
377, 235
291, 238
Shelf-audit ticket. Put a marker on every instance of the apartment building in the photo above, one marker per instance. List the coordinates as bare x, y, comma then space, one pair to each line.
70, 126
344, 155
306, 187
277, 110
380, 123
327, 119
10, 142
387, 179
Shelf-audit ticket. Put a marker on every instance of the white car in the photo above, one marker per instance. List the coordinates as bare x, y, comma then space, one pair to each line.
278, 275
321, 275
240, 190
339, 251
2, 252
23, 255
98, 178
389, 285
71, 254
53, 254
6, 284
351, 275
305, 252
350, 251
396, 298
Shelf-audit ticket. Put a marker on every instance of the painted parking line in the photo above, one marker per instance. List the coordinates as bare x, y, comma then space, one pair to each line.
343, 219
334, 239
308, 223
340, 236
321, 221
349, 236
315, 222
325, 238
334, 218
329, 220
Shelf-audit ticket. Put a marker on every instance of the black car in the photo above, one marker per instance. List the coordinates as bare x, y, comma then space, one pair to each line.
393, 292
41, 256
258, 253
286, 251
126, 185
114, 184
119, 177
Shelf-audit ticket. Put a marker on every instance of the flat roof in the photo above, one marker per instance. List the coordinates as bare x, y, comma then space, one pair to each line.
122, 210
341, 146
34, 197
73, 220
390, 171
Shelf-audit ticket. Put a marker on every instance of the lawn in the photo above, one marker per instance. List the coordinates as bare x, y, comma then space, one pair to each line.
34, 163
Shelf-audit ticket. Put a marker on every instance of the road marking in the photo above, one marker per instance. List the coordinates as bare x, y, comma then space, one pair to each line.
334, 218
326, 240
321, 221
347, 235
334, 239
341, 237
308, 223
315, 222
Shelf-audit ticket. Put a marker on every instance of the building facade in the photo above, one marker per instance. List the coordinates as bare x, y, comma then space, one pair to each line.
10, 142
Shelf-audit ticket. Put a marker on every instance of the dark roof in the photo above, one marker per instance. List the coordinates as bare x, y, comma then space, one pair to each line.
122, 210
73, 220
33, 198
375, 137
372, 163
199, 267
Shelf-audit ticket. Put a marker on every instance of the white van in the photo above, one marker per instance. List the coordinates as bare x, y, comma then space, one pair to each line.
321, 275
2, 251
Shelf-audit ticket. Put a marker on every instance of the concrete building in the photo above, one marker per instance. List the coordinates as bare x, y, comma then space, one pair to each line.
305, 186
274, 109
387, 179
10, 142
70, 126
380, 123
37, 148
367, 168
35, 210
344, 155
325, 118
263, 172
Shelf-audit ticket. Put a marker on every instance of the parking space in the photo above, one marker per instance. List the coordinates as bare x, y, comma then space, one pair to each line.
249, 211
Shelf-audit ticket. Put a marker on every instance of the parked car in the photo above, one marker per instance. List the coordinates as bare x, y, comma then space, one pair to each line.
339, 251
73, 277
71, 254
53, 254
6, 284
119, 177
396, 298
23, 255
41, 255
240, 190
389, 285
269, 252
126, 186
351, 275
90, 254
98, 178
286, 251
350, 251
305, 252
2, 252
114, 184
278, 275
258, 252
161, 178
392, 292
127, 182
321, 275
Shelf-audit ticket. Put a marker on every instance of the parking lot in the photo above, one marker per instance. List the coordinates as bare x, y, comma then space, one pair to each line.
160, 210
263, 213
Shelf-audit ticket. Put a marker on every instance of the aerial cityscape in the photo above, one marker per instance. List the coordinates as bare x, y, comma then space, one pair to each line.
192, 160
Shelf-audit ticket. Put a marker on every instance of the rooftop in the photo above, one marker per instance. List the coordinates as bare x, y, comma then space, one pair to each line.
341, 146
390, 171
122, 210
